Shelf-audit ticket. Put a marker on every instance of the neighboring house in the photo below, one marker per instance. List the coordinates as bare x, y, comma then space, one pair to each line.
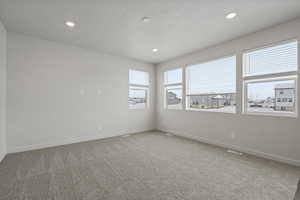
269, 103
285, 97
172, 98
211, 100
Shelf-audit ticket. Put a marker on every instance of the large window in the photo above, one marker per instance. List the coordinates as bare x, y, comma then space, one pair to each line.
173, 89
138, 97
270, 80
211, 86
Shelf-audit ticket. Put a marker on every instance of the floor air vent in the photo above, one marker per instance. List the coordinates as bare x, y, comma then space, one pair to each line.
234, 152
127, 135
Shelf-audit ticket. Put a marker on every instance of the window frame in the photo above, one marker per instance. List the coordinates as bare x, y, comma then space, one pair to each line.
145, 87
277, 76
203, 62
178, 84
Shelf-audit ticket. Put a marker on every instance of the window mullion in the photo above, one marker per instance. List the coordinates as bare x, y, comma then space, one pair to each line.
270, 76
184, 88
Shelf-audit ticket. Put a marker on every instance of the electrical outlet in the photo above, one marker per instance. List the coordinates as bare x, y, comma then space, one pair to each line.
99, 92
100, 128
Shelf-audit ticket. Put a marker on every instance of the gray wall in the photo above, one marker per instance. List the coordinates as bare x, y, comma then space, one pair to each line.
53, 95
2, 91
272, 137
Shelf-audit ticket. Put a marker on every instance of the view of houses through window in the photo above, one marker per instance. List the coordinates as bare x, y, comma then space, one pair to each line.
271, 96
138, 89
212, 85
174, 97
269, 77
173, 89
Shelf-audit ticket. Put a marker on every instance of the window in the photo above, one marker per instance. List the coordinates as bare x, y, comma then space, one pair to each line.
138, 89
173, 89
270, 60
211, 86
270, 80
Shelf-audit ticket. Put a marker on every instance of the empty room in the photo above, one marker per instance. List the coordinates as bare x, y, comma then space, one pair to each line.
149, 100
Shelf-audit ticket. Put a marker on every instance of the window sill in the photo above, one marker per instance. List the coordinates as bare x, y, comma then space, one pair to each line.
173, 109
138, 108
211, 111
283, 114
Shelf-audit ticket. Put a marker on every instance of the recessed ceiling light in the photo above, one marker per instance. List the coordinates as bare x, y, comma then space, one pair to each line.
70, 24
231, 15
154, 50
146, 19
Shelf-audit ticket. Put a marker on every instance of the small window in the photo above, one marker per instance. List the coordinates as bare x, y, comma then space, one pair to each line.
173, 76
267, 88
211, 86
270, 60
138, 77
173, 89
138, 97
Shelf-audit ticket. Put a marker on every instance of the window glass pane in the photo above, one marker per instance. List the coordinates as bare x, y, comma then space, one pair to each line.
213, 102
138, 97
173, 76
212, 85
271, 96
276, 59
138, 77
174, 97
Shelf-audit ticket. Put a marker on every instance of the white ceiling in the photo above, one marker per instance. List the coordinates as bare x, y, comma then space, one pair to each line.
177, 27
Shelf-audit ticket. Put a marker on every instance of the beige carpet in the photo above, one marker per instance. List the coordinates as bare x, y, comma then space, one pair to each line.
142, 167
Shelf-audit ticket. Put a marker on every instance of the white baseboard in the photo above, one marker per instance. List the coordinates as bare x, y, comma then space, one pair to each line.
66, 141
240, 149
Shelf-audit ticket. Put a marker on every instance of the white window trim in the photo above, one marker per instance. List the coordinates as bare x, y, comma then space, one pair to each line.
186, 106
179, 84
288, 75
140, 86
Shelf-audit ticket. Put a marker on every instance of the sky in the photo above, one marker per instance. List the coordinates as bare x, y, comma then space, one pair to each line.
138, 77
216, 76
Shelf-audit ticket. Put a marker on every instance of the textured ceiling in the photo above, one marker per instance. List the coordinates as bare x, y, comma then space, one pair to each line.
176, 27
